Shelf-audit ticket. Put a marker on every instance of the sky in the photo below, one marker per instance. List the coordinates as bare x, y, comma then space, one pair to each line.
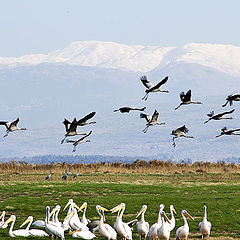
41, 26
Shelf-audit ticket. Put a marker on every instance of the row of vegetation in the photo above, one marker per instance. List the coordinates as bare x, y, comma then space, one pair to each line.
138, 166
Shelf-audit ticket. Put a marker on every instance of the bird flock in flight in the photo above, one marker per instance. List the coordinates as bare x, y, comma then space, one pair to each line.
152, 120
82, 227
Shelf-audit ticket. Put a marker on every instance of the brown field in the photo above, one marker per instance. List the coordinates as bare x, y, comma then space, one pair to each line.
139, 166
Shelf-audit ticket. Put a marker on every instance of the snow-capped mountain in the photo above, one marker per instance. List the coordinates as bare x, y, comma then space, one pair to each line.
137, 58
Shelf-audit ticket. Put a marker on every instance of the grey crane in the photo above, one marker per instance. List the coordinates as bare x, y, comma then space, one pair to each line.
11, 126
127, 109
231, 98
219, 116
151, 120
71, 129
79, 141
83, 121
186, 99
180, 132
225, 131
152, 88
48, 176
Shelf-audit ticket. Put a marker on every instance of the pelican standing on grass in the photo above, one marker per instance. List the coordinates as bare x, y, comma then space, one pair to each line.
163, 232
151, 121
15, 233
105, 229
152, 88
152, 233
186, 99
172, 221
142, 225
122, 228
205, 225
34, 232
11, 126
183, 231
51, 227
84, 219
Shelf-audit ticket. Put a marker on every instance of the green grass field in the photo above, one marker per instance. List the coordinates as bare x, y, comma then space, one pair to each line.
25, 195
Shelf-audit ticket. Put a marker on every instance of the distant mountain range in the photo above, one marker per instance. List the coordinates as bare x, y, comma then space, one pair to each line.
101, 76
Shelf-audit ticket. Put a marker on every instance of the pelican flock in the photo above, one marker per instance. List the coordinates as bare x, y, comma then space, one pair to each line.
72, 226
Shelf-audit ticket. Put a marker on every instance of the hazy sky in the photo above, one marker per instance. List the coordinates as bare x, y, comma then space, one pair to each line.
40, 26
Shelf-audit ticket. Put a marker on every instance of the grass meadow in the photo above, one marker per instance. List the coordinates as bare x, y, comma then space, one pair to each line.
24, 191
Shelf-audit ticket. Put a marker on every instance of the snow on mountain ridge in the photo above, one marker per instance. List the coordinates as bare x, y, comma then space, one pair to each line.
225, 58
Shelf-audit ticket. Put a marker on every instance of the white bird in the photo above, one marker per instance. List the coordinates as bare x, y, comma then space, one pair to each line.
152, 233
172, 220
71, 129
80, 229
163, 232
53, 228
84, 219
180, 132
79, 141
34, 232
183, 231
151, 121
205, 225
186, 99
231, 98
105, 229
142, 225
2, 218
122, 228
15, 233
152, 88
11, 126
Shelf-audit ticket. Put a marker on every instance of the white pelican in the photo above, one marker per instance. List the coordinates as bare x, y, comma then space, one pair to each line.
51, 227
172, 220
183, 231
19, 232
80, 229
122, 228
142, 225
2, 218
33, 232
163, 232
84, 219
152, 233
105, 229
72, 217
205, 225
